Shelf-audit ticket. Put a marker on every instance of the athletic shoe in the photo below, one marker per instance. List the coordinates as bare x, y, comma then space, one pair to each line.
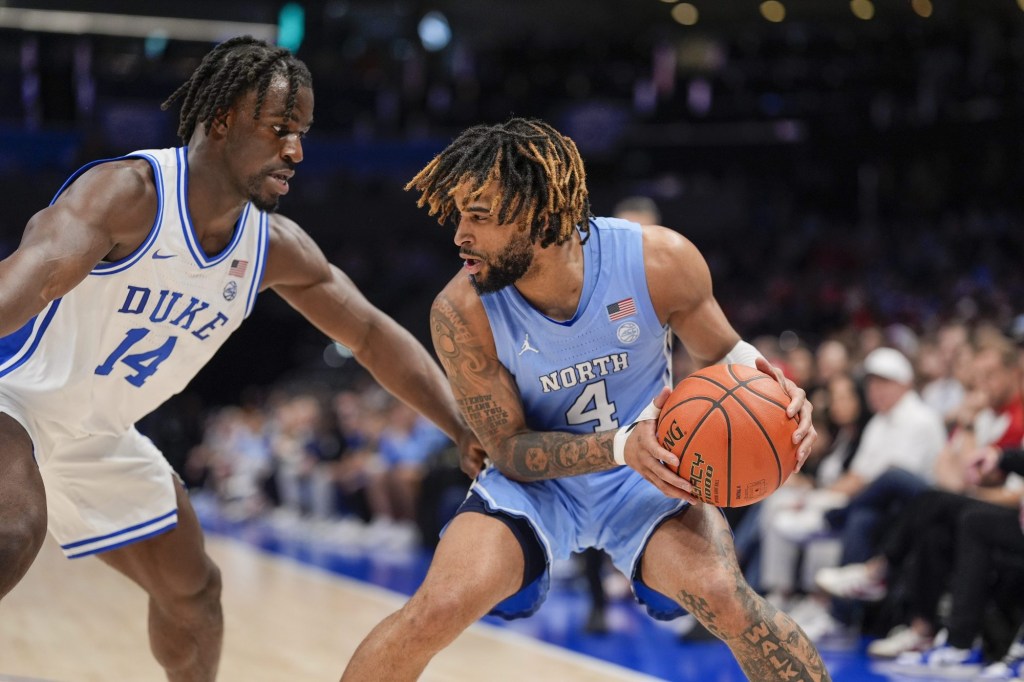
801, 525
1011, 667
900, 639
853, 581
942, 661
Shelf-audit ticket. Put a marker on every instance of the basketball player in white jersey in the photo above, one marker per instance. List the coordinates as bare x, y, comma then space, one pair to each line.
556, 342
121, 290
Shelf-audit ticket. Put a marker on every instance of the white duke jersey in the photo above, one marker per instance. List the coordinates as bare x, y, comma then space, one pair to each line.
134, 332
597, 371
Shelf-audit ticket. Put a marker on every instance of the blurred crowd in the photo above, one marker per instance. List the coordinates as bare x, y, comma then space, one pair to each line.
347, 466
905, 524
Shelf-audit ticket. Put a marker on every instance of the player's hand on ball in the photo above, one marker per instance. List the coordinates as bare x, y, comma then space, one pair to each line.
646, 455
799, 407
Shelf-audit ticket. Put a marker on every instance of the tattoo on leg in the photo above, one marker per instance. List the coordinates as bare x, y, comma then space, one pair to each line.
768, 645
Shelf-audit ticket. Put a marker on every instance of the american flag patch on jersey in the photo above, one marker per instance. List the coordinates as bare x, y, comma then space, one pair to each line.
238, 267
621, 309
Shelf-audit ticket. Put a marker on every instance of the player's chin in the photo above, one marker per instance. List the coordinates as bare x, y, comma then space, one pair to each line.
265, 202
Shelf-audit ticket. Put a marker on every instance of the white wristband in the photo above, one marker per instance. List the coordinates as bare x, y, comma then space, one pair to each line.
741, 354
622, 435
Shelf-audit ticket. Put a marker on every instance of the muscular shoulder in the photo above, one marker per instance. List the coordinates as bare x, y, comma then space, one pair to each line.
677, 274
293, 258
458, 314
119, 196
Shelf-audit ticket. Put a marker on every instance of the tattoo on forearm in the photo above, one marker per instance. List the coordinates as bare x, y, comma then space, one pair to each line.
483, 415
551, 454
482, 389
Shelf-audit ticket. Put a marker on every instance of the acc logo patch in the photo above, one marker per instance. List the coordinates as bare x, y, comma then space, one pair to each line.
628, 332
230, 291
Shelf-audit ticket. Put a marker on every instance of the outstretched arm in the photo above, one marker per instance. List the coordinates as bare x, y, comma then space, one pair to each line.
300, 273
490, 401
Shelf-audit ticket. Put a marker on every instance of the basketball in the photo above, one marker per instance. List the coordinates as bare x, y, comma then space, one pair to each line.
728, 426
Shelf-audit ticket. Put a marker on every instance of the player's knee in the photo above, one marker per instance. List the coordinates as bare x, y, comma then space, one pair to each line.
194, 593
719, 590
208, 589
22, 534
435, 611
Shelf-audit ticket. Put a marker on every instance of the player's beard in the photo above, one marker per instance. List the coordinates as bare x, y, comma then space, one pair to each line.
506, 269
258, 196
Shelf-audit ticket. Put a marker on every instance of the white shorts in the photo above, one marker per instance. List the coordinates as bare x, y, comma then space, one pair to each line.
102, 491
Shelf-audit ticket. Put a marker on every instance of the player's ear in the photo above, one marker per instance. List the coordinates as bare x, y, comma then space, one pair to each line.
222, 120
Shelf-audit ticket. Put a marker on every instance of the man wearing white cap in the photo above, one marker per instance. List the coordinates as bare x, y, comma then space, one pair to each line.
904, 433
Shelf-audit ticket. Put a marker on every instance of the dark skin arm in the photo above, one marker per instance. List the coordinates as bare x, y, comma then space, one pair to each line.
104, 215
300, 273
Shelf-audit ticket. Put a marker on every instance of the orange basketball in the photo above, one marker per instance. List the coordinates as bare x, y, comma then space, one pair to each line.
728, 426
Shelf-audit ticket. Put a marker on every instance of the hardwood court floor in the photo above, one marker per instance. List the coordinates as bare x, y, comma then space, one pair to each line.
79, 621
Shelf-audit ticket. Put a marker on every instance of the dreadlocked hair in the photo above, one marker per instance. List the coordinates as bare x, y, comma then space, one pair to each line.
232, 68
539, 175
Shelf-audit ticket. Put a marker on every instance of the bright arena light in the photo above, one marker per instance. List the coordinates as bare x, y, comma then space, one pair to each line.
685, 13
862, 9
434, 31
924, 8
773, 10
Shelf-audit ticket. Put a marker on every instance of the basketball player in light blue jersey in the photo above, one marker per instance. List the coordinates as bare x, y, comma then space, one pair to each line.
556, 340
121, 290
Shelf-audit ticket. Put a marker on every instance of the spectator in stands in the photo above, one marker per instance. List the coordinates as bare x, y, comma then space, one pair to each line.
405, 445
770, 560
903, 432
304, 484
938, 361
923, 545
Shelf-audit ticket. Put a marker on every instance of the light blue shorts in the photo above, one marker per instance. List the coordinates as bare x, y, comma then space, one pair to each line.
615, 510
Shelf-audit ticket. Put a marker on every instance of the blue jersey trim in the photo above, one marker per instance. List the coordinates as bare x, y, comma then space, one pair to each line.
32, 338
194, 247
123, 543
129, 529
15, 341
262, 247
129, 260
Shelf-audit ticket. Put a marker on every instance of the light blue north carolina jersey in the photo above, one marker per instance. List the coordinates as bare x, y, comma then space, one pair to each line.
595, 372
134, 332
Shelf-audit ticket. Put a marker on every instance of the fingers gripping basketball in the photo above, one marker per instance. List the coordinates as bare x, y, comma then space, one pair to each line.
729, 428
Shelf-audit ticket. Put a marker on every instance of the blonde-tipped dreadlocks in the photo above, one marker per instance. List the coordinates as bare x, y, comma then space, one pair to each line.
539, 175
232, 68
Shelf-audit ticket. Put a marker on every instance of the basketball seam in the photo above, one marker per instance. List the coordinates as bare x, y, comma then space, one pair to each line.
715, 404
764, 432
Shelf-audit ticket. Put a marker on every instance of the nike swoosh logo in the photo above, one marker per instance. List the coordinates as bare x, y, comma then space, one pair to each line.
164, 256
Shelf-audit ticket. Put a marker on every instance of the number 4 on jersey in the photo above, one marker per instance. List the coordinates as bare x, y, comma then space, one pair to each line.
593, 405
144, 363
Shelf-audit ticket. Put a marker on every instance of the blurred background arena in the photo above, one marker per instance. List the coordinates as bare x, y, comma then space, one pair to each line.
851, 170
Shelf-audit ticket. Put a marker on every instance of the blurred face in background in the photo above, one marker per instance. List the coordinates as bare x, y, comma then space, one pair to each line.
831, 360
882, 393
843, 402
994, 378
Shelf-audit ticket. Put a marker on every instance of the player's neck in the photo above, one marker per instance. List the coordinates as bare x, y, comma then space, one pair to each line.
213, 203
554, 282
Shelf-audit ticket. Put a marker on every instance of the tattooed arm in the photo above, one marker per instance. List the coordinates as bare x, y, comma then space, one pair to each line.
490, 402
